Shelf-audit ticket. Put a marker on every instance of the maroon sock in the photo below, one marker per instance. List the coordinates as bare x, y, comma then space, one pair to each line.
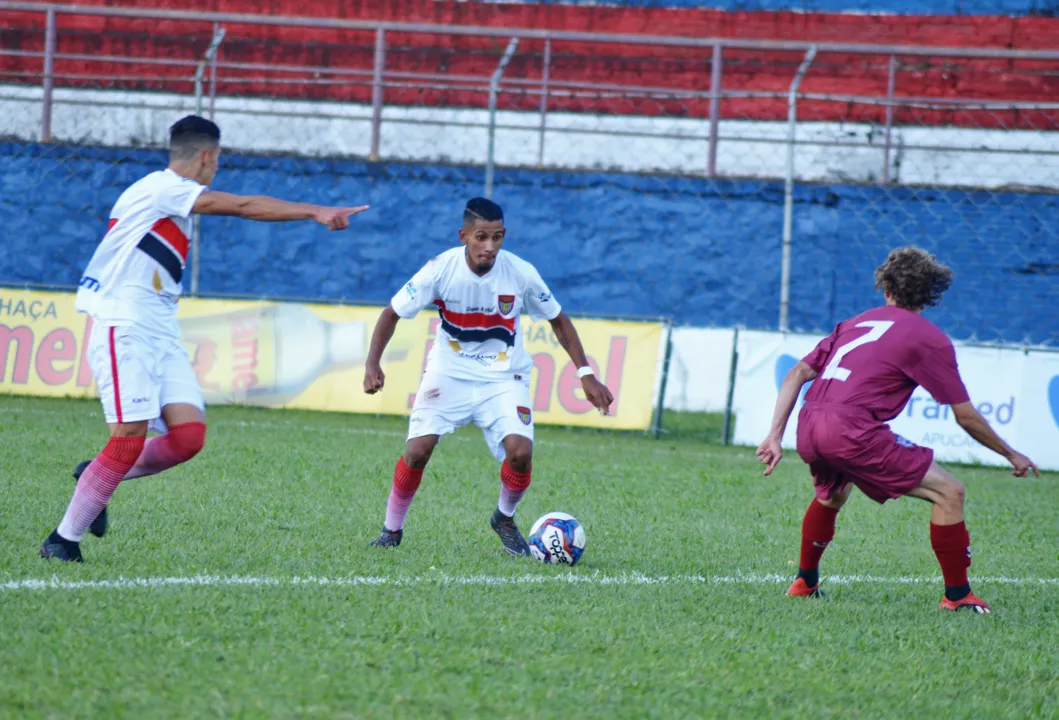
952, 545
818, 528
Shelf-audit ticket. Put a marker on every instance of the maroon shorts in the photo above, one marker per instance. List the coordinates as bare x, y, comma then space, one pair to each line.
845, 444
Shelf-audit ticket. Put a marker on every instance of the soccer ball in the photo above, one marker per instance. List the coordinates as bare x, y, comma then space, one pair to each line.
558, 539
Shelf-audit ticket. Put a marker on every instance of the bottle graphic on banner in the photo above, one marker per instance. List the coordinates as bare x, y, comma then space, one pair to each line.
268, 354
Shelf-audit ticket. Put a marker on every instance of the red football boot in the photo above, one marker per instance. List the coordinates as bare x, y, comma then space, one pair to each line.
968, 602
799, 589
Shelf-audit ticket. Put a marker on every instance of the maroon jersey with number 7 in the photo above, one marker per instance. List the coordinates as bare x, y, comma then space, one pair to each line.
875, 360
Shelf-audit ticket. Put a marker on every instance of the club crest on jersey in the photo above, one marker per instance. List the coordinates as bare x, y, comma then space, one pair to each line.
506, 303
524, 415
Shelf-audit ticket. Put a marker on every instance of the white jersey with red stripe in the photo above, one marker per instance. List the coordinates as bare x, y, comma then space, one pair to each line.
134, 277
478, 337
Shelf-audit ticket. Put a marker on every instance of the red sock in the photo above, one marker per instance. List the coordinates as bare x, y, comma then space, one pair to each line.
513, 486
97, 484
179, 445
405, 483
818, 529
952, 545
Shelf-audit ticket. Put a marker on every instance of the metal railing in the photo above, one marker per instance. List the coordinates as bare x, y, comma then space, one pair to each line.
381, 79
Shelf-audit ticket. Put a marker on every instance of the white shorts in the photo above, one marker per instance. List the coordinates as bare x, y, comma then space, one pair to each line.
138, 374
498, 408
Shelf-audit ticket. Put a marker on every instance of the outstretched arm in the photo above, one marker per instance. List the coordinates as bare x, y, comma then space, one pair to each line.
978, 428
770, 451
374, 378
596, 392
270, 209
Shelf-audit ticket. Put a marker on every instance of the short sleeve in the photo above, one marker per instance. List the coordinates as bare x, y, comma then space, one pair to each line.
177, 195
818, 357
417, 293
537, 298
939, 374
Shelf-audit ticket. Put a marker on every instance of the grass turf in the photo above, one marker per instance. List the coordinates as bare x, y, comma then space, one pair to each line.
281, 494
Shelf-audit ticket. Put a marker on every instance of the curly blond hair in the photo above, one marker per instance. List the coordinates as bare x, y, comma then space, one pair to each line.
913, 278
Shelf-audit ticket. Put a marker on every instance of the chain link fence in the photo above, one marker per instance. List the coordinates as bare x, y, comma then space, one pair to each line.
642, 179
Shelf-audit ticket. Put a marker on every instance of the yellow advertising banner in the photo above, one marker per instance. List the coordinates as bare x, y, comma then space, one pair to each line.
312, 357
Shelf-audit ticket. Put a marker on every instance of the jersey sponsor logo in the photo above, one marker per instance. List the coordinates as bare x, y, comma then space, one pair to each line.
544, 297
476, 326
506, 303
410, 289
90, 283
484, 359
524, 415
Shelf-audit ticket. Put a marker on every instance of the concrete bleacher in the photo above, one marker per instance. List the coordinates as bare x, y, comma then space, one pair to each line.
616, 64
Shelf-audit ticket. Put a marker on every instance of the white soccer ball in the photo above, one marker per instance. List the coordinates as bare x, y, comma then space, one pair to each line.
557, 538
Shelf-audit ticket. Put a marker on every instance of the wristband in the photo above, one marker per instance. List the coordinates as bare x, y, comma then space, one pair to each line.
583, 371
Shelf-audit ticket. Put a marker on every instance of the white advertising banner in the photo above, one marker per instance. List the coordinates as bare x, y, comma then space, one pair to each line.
699, 366
1016, 390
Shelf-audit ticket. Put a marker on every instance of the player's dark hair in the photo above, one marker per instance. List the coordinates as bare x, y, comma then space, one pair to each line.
913, 278
190, 135
480, 208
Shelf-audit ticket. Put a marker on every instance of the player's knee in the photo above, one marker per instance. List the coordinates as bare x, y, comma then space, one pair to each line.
188, 439
835, 502
520, 457
417, 453
954, 493
416, 461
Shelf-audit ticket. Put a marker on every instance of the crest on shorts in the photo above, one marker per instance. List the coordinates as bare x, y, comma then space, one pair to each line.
506, 303
524, 415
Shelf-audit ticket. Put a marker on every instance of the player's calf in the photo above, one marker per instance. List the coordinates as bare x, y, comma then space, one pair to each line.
180, 444
516, 472
100, 524
818, 529
94, 488
948, 535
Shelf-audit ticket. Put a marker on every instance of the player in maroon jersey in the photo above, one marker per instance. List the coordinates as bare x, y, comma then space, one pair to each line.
864, 373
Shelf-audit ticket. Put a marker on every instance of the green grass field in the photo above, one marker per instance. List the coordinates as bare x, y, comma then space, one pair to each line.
241, 585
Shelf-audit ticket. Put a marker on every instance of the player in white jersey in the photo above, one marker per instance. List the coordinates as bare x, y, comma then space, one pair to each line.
477, 371
130, 291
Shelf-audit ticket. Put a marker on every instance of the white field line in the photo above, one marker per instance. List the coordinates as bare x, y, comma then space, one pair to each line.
445, 580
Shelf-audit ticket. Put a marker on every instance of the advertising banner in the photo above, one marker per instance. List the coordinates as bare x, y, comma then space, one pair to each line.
1017, 391
312, 357
699, 366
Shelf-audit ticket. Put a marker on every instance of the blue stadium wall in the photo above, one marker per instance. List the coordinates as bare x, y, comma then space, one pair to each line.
705, 252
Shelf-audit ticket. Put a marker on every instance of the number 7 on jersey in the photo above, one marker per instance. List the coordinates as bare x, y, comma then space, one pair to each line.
878, 328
